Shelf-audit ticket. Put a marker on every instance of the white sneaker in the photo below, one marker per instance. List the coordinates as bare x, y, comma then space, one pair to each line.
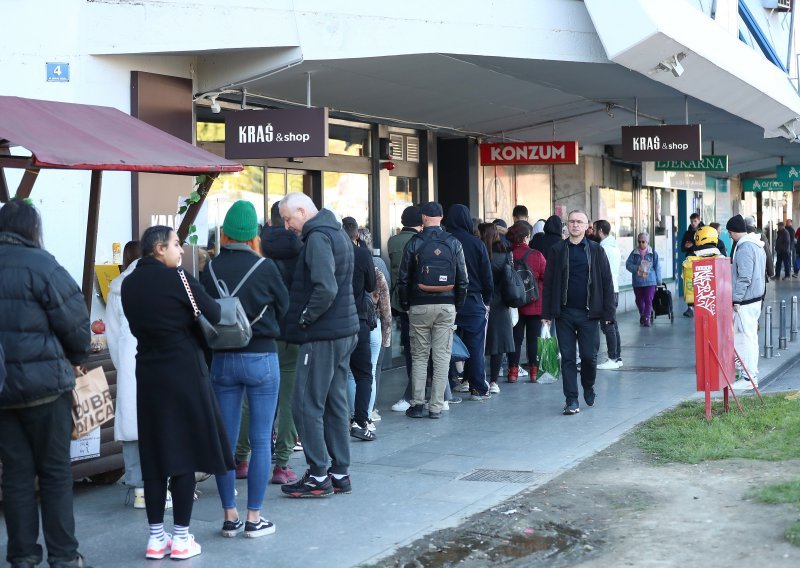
463, 387
446, 405
609, 366
494, 388
158, 548
401, 405
743, 384
619, 363
375, 416
138, 498
370, 426
168, 504
522, 372
185, 548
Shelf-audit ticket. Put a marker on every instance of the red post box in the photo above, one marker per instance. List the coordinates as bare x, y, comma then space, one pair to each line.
713, 326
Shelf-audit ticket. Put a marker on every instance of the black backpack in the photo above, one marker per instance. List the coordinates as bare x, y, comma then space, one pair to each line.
512, 288
436, 263
528, 278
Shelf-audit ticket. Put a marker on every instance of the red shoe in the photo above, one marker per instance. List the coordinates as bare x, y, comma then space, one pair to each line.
532, 372
242, 467
513, 374
283, 475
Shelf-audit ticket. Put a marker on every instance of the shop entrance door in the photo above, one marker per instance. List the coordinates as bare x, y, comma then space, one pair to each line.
282, 181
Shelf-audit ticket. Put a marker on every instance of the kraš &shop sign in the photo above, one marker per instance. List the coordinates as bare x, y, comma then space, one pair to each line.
282, 133
669, 142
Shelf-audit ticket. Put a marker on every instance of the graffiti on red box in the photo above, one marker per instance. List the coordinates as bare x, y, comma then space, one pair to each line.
704, 296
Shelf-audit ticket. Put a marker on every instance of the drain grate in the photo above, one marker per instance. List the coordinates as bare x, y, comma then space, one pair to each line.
501, 476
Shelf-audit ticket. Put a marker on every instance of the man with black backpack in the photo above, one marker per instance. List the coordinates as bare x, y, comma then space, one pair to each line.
431, 284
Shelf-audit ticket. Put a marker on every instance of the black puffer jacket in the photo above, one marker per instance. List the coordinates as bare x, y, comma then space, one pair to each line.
282, 246
44, 324
543, 242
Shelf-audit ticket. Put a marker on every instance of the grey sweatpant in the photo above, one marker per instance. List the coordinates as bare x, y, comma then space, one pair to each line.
319, 404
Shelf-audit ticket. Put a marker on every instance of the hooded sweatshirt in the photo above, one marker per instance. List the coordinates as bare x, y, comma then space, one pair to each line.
479, 269
283, 247
748, 269
122, 348
543, 242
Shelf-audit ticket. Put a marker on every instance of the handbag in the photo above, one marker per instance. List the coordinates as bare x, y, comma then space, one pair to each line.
459, 351
512, 288
92, 405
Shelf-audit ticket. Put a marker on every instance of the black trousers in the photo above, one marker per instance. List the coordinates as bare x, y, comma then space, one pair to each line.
784, 259
35, 442
530, 327
361, 367
405, 340
574, 324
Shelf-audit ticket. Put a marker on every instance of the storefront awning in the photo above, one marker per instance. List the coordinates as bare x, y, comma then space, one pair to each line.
669, 43
86, 137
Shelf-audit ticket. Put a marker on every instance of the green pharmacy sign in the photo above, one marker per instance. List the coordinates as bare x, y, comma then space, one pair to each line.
788, 173
766, 184
705, 164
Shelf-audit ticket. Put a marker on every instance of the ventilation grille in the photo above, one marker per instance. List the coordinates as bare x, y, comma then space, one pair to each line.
502, 476
396, 151
412, 149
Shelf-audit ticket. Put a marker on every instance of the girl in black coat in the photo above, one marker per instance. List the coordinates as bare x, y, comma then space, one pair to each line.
180, 428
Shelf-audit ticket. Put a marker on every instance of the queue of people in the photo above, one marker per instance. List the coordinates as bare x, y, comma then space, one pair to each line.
320, 309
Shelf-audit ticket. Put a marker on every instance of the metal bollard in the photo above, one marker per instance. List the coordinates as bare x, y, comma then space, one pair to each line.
782, 327
793, 332
768, 333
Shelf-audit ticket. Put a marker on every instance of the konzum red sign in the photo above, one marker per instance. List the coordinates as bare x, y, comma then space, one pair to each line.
510, 153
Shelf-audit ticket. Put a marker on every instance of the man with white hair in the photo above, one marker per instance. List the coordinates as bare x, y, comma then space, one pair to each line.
322, 319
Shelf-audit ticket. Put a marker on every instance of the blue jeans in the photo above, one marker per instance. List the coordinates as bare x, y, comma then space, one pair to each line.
471, 320
259, 375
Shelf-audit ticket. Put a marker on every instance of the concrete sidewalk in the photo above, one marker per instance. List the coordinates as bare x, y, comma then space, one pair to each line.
422, 475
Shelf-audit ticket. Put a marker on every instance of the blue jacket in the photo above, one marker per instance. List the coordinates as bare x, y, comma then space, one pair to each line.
653, 277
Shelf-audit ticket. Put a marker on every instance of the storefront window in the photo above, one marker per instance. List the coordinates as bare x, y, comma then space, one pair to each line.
644, 211
498, 189
210, 132
348, 141
347, 194
534, 192
403, 192
247, 184
617, 208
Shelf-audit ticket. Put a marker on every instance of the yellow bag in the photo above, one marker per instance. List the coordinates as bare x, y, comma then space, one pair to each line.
91, 402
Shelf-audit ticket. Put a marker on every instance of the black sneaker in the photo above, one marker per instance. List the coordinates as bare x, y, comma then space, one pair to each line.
231, 528
416, 411
341, 486
308, 487
571, 408
261, 528
589, 397
362, 433
434, 415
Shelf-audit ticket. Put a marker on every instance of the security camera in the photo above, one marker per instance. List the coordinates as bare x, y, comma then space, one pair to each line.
215, 108
676, 67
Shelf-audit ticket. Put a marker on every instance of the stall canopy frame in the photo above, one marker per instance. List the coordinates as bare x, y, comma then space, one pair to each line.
72, 136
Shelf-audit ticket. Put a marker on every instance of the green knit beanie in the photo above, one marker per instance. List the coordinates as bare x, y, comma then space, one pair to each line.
241, 222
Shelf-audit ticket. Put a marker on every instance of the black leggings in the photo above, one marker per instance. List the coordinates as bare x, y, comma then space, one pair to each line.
531, 328
155, 498
495, 361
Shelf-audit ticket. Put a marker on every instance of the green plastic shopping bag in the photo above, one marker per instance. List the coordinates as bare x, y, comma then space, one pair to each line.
549, 357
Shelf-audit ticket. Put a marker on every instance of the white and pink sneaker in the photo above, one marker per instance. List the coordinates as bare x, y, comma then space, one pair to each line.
158, 548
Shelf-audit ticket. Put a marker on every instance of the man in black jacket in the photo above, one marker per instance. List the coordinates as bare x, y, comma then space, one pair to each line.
783, 248
578, 293
322, 319
473, 316
361, 357
431, 313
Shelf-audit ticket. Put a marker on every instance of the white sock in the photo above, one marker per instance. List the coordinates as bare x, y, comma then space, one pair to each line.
157, 531
181, 533
320, 479
339, 475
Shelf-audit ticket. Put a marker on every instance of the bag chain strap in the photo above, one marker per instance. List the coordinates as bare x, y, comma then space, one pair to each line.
189, 293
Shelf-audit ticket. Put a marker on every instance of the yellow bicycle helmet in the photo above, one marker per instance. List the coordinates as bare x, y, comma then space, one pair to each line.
706, 235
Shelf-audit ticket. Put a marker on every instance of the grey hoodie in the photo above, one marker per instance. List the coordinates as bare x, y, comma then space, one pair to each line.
749, 267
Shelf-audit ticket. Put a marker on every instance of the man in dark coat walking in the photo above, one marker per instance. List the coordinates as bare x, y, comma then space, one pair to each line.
322, 319
578, 293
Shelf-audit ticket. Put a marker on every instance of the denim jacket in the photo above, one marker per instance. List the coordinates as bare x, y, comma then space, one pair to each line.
653, 276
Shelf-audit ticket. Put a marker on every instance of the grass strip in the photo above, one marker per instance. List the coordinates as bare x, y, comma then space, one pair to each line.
768, 431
